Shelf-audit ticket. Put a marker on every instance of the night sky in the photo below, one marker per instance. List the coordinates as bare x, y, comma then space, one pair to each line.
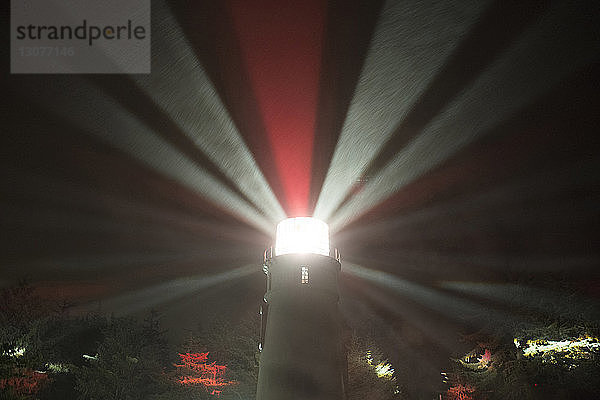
452, 146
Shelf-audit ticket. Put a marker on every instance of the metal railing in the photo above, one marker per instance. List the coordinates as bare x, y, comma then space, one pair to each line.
337, 255
268, 255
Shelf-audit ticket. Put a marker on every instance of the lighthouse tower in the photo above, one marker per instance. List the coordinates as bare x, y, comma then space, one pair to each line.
303, 356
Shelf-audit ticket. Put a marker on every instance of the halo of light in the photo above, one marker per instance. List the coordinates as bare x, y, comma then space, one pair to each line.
302, 235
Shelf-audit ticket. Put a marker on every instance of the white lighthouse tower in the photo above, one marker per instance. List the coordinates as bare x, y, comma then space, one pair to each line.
303, 356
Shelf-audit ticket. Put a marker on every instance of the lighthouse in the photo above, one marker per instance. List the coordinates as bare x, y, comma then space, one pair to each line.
302, 354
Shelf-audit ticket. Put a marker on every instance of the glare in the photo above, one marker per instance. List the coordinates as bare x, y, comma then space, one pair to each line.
395, 75
551, 350
302, 235
150, 297
14, 353
383, 369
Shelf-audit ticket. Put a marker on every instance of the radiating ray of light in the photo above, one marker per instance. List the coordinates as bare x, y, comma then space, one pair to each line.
70, 221
404, 352
119, 261
197, 110
280, 41
545, 54
182, 226
80, 103
148, 244
434, 264
180, 86
439, 332
462, 213
453, 307
410, 44
551, 302
155, 239
156, 295
391, 242
418, 341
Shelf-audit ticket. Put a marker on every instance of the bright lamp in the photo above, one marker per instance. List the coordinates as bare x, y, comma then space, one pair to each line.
302, 235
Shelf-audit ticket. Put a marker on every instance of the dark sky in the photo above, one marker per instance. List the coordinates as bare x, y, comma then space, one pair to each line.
453, 146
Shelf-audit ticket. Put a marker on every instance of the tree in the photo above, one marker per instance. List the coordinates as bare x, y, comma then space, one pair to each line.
543, 362
233, 344
46, 354
128, 364
23, 322
370, 375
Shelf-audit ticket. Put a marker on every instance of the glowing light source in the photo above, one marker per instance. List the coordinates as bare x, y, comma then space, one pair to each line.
383, 369
302, 235
16, 352
572, 348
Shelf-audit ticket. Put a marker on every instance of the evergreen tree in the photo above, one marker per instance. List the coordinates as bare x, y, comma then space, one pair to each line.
553, 361
23, 323
128, 363
370, 375
234, 345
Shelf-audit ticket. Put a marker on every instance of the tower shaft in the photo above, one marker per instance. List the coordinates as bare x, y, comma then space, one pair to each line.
303, 355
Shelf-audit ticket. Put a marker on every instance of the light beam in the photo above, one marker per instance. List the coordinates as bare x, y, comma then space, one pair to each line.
511, 83
149, 297
181, 87
396, 73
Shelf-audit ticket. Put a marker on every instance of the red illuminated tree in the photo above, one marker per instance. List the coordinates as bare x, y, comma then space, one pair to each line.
232, 342
209, 375
460, 392
24, 383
